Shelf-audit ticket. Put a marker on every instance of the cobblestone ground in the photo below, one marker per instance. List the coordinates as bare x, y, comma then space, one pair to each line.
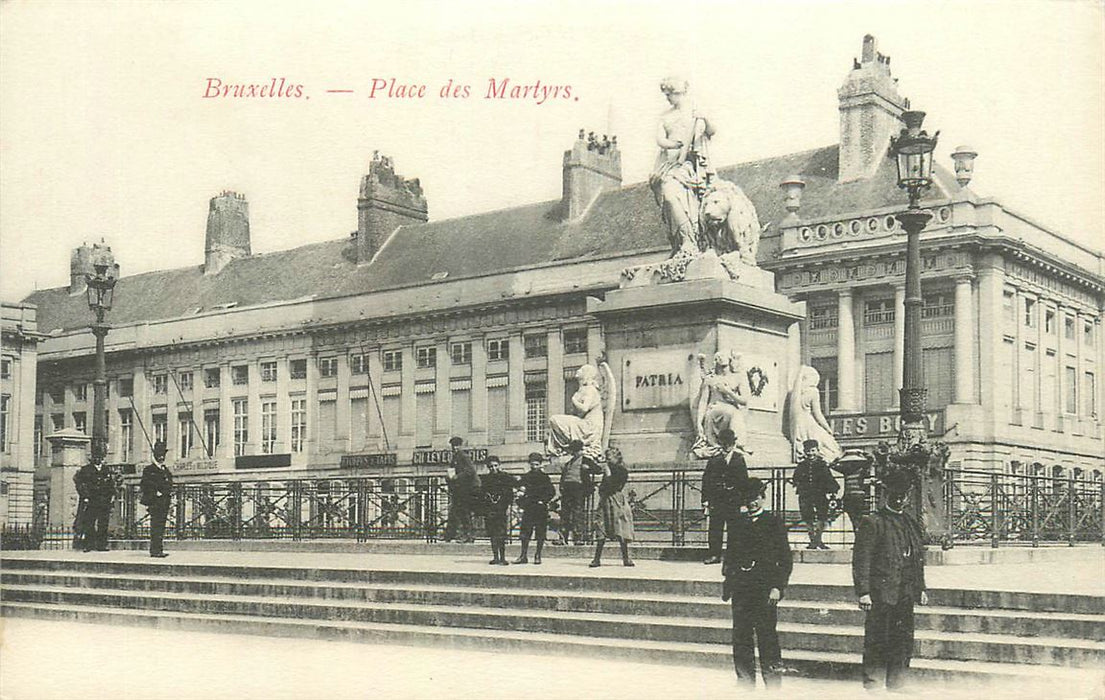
62, 661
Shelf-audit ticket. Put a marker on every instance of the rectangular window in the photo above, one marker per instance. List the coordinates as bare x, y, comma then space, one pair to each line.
211, 430
1029, 312
80, 421
461, 406
939, 370
498, 349
426, 357
327, 425
938, 305
327, 366
496, 415
424, 419
879, 381
359, 417
823, 317
38, 436
536, 345
299, 424
239, 375
1049, 321
126, 435
878, 311
57, 420
5, 402
1027, 391
1007, 308
5, 368
1068, 327
161, 428
461, 353
187, 438
358, 364
268, 371
268, 427
80, 391
393, 360
212, 377
575, 341
160, 384
126, 387
1089, 395
297, 369
1070, 390
1050, 383
827, 368
184, 380
536, 411
241, 426
1087, 334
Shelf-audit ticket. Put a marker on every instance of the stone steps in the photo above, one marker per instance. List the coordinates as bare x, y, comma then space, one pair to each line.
624, 613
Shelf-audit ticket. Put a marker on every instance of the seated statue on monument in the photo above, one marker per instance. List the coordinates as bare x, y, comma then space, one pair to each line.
806, 420
721, 403
591, 422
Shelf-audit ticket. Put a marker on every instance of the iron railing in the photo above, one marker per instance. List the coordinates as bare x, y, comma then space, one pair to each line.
982, 508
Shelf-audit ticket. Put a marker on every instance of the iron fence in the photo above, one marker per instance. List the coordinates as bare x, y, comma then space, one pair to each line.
982, 508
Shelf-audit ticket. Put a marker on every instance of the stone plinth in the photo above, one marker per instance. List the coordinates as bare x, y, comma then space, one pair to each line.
654, 334
68, 453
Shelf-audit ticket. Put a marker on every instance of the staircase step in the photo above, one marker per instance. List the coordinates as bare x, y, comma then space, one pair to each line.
806, 663
930, 643
1003, 622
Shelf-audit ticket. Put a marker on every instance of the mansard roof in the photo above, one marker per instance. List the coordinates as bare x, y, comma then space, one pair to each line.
620, 222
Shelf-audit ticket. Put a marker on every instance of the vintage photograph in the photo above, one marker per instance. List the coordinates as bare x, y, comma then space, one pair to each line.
496, 350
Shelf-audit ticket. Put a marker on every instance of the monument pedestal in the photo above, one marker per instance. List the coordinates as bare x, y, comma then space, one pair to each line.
654, 335
68, 453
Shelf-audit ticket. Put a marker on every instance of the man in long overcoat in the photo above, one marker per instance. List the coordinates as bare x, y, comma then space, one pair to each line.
96, 487
464, 484
722, 481
157, 488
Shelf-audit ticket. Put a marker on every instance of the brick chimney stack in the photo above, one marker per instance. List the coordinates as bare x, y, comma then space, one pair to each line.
227, 231
870, 111
591, 166
386, 202
80, 264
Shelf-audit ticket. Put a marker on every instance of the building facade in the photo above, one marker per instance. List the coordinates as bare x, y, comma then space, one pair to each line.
20, 429
365, 354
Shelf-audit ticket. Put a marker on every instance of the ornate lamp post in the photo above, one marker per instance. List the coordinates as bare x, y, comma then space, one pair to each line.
101, 290
912, 150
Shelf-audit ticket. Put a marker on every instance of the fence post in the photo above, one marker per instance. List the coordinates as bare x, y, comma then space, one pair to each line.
236, 509
1072, 515
995, 507
1034, 484
181, 509
295, 514
677, 484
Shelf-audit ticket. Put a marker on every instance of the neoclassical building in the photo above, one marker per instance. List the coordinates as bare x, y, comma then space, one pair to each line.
364, 354
18, 353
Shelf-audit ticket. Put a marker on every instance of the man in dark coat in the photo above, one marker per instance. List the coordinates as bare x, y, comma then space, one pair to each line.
757, 568
721, 481
814, 483
856, 468
96, 487
536, 491
498, 493
464, 485
157, 488
888, 570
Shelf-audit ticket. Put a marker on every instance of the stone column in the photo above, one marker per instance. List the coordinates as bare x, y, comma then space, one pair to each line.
1079, 356
479, 391
375, 371
283, 407
846, 352
226, 414
443, 395
899, 340
408, 405
343, 407
253, 397
311, 384
68, 453
991, 286
516, 390
555, 373
964, 341
1018, 350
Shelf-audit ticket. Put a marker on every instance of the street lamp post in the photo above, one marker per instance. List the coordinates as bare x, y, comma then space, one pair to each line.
101, 289
912, 150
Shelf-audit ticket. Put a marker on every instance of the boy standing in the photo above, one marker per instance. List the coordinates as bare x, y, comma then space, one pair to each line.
535, 492
757, 568
814, 483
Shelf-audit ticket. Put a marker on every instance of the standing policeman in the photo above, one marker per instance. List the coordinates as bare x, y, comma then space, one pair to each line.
96, 486
157, 488
888, 569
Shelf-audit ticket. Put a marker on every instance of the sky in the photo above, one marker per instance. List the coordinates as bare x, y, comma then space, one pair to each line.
105, 132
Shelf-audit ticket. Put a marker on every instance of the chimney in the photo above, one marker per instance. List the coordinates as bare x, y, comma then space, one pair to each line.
591, 166
227, 231
870, 108
387, 201
80, 264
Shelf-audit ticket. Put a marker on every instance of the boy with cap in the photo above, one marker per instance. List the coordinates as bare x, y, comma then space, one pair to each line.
498, 492
724, 475
535, 492
757, 568
814, 483
157, 488
888, 569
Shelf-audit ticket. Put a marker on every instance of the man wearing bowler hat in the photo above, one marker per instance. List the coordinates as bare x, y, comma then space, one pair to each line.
157, 488
757, 568
721, 480
888, 569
